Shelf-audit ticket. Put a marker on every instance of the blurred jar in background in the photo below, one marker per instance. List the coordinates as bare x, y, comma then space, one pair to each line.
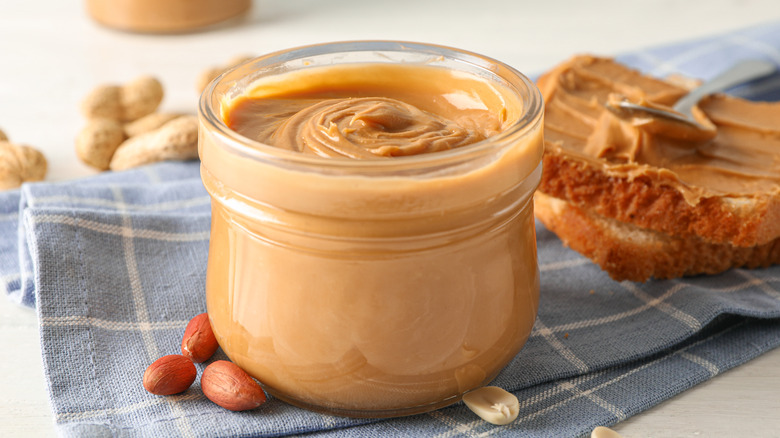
164, 16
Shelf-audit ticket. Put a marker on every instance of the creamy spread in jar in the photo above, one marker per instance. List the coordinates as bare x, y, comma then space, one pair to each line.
740, 160
367, 117
373, 250
164, 16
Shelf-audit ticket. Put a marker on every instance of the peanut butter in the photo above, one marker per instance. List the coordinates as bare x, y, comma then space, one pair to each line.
740, 160
377, 256
367, 118
164, 16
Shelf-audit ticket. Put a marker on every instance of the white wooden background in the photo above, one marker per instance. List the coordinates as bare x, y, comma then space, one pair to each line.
52, 54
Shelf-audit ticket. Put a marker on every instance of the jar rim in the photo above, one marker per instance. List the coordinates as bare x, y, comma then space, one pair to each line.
209, 110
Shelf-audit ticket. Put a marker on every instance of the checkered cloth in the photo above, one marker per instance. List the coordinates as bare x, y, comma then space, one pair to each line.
116, 263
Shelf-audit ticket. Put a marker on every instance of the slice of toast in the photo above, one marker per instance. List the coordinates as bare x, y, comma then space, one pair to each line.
615, 169
628, 252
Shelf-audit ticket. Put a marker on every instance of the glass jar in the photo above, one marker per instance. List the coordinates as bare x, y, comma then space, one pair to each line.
164, 16
372, 288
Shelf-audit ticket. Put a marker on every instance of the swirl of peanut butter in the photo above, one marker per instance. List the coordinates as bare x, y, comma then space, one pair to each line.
371, 111
370, 127
359, 127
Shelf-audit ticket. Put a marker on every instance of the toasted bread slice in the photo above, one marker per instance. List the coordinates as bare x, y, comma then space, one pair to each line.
628, 252
714, 190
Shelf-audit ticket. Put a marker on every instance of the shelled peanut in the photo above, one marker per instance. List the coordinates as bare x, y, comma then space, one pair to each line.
124, 130
227, 385
19, 163
222, 382
199, 342
169, 375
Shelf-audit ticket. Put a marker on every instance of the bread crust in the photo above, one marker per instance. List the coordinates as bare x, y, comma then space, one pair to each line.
647, 201
628, 252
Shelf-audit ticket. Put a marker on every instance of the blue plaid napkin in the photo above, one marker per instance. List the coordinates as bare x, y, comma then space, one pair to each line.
115, 265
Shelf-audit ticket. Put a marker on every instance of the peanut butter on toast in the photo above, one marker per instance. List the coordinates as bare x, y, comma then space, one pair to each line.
723, 190
642, 203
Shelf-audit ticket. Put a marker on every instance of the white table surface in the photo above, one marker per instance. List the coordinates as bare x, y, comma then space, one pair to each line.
52, 54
